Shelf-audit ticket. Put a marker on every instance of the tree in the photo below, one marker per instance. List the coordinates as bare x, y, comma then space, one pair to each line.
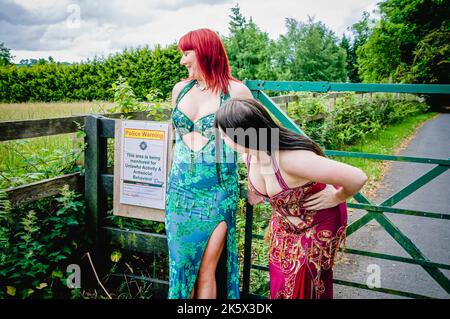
5, 55
432, 58
350, 60
309, 52
395, 50
361, 31
237, 21
248, 48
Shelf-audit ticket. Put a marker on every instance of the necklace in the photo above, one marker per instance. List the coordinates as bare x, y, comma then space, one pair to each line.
201, 88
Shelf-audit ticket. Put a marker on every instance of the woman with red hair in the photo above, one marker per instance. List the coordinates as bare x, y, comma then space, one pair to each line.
202, 192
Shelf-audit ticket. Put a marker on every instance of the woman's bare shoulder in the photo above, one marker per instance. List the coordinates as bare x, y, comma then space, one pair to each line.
239, 90
180, 85
177, 89
291, 160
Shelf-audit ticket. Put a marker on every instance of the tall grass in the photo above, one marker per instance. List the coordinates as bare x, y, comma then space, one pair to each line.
28, 160
45, 110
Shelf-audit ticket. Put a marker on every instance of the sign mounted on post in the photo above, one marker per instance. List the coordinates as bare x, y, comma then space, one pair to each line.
140, 169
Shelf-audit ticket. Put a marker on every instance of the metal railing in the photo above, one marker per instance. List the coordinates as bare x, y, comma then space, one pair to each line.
374, 212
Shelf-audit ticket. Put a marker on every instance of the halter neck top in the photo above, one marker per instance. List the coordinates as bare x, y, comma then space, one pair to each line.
184, 124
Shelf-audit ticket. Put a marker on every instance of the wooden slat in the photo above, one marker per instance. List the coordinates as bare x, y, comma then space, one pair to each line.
14, 130
107, 128
137, 240
44, 188
107, 182
95, 165
285, 98
140, 116
33, 128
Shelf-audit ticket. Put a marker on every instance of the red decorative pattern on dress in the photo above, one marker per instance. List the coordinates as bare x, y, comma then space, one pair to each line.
312, 242
306, 243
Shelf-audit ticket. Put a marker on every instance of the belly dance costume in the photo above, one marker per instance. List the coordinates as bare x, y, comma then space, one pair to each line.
302, 251
202, 192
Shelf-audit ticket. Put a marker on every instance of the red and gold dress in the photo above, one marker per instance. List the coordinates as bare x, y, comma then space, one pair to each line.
302, 244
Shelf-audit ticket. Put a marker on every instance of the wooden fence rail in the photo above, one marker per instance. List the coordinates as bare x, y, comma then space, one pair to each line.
14, 130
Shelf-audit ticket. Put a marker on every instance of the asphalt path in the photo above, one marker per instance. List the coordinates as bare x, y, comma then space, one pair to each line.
431, 236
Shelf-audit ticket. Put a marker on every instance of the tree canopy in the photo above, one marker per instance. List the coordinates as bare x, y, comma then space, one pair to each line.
409, 44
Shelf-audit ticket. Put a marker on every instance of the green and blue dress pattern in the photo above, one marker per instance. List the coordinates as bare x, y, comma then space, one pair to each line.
197, 203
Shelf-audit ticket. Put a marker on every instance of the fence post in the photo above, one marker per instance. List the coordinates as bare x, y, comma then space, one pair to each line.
247, 248
96, 201
331, 102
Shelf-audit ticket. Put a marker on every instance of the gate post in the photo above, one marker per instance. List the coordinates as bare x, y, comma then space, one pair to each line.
95, 198
247, 249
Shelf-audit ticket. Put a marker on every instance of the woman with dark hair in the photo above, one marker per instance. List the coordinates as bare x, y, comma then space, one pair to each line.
202, 192
309, 217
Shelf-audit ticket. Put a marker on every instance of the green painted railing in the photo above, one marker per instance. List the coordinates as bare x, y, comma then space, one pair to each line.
374, 212
257, 86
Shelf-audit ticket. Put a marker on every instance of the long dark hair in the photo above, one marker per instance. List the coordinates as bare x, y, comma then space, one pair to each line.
251, 114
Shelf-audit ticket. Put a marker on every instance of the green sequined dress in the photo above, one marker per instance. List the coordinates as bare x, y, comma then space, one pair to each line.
197, 203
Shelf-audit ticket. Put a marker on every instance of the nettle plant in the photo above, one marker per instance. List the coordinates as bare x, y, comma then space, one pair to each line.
37, 242
125, 101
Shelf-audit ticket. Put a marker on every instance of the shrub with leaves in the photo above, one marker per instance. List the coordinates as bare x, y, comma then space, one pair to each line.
352, 117
38, 241
145, 69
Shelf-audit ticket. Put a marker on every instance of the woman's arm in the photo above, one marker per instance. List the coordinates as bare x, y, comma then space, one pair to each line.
310, 166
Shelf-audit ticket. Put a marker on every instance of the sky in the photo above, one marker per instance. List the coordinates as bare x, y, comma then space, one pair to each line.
75, 31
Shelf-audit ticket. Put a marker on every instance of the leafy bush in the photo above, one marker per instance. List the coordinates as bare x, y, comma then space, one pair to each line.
352, 117
38, 241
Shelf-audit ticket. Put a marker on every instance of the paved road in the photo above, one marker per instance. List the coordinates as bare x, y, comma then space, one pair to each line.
431, 236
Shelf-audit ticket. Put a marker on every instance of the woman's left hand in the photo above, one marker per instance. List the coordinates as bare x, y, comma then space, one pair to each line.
324, 199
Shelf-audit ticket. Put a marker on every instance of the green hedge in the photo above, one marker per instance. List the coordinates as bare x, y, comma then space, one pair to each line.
145, 69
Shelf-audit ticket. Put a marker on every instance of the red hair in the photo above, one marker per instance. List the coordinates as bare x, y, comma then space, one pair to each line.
211, 57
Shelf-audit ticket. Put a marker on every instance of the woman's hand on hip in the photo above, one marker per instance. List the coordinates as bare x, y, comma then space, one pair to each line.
324, 199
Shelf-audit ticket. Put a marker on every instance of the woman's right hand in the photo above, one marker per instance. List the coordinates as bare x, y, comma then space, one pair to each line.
326, 198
